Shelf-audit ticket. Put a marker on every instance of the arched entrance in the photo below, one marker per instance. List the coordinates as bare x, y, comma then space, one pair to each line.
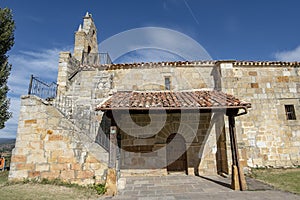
176, 153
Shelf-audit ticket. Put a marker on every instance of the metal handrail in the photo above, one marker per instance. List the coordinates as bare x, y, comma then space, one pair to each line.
95, 58
42, 89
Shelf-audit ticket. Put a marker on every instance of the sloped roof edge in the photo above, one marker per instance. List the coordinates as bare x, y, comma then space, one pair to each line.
171, 100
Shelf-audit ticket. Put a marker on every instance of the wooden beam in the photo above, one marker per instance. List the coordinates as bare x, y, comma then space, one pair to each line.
238, 181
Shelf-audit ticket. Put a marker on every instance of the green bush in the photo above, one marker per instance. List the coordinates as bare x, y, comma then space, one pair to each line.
100, 188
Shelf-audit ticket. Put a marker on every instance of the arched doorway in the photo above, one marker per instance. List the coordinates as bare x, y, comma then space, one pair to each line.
176, 154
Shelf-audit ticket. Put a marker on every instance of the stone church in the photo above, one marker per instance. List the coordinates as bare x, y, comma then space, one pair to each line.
157, 118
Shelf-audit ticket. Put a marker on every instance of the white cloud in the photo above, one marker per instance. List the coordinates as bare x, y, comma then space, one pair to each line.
292, 55
43, 63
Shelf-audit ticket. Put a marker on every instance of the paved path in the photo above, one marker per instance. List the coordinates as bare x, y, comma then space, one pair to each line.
191, 187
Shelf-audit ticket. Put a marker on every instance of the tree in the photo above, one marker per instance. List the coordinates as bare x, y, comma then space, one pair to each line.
7, 27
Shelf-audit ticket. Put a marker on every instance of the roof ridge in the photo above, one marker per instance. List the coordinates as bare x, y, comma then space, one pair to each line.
143, 65
174, 91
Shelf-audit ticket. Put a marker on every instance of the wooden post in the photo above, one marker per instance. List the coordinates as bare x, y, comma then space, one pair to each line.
222, 160
111, 178
238, 181
113, 147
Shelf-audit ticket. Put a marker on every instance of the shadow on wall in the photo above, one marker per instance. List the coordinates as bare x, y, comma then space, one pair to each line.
102, 137
184, 143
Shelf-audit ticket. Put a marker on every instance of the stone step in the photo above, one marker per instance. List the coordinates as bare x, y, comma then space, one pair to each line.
142, 172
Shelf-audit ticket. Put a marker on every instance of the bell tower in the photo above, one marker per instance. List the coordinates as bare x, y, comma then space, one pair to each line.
86, 38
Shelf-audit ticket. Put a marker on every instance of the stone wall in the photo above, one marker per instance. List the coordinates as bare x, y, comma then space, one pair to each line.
144, 141
88, 89
265, 136
49, 146
66, 67
99, 83
153, 78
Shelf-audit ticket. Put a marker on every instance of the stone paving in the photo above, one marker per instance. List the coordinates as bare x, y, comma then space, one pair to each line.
192, 187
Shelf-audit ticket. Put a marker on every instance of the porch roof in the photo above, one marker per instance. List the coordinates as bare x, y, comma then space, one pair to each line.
172, 100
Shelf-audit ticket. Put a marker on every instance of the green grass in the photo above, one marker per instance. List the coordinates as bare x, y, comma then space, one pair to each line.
47, 189
283, 179
3, 177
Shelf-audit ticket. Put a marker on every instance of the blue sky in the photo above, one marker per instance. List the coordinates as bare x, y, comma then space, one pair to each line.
227, 29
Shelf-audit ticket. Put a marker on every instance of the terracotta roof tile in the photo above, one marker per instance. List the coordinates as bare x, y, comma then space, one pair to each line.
149, 65
265, 63
171, 100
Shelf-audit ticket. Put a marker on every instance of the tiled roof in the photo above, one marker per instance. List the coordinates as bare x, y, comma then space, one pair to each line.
170, 100
265, 63
160, 64
148, 65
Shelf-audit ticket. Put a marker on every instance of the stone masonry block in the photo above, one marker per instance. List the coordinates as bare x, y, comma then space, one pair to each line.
252, 73
37, 157
34, 174
96, 166
76, 166
18, 158
91, 159
24, 166
35, 145
254, 85
29, 137
55, 145
50, 175
22, 150
55, 137
67, 175
42, 167
30, 122
84, 174
54, 155
283, 79
59, 167
18, 174
63, 159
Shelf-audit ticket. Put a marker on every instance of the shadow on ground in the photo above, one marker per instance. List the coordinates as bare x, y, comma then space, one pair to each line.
252, 184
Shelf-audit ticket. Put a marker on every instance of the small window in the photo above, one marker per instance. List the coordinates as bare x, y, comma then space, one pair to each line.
290, 112
167, 83
89, 49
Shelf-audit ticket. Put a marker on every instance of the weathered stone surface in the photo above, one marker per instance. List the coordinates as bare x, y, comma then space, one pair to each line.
144, 153
18, 158
264, 129
111, 183
52, 156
